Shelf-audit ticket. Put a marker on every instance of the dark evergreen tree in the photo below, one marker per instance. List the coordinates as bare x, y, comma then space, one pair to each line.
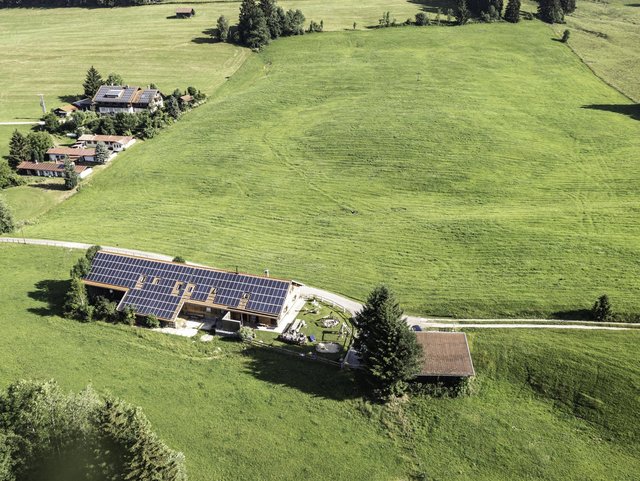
551, 11
8, 178
81, 268
252, 25
19, 149
6, 218
76, 304
273, 17
70, 175
222, 29
39, 143
102, 153
462, 12
172, 107
389, 350
92, 83
601, 310
512, 13
568, 6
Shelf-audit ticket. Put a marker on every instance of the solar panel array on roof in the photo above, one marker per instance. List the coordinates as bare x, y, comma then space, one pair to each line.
152, 285
107, 94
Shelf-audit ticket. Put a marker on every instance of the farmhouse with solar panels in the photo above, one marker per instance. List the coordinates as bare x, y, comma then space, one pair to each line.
113, 99
170, 289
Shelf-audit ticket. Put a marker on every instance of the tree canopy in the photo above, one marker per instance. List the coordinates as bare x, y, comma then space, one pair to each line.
389, 350
92, 82
50, 435
6, 219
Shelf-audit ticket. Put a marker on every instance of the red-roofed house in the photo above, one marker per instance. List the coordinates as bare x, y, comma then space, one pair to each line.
116, 143
74, 154
50, 169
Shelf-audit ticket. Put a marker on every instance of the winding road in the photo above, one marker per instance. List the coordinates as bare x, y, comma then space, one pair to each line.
354, 306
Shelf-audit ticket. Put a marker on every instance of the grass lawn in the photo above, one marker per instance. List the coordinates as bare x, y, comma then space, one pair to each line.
485, 188
606, 35
27, 202
549, 405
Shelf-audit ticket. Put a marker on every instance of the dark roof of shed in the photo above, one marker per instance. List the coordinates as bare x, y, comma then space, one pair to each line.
446, 354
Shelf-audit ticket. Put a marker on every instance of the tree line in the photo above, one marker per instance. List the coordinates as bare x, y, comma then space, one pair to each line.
74, 3
47, 434
261, 21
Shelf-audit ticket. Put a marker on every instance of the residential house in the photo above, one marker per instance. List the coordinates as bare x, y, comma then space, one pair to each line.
113, 99
115, 143
50, 169
74, 154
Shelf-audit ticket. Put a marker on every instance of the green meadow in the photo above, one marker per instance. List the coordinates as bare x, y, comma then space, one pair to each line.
548, 405
446, 162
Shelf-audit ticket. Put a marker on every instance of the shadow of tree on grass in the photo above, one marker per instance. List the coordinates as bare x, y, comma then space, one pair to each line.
305, 375
51, 292
432, 6
630, 110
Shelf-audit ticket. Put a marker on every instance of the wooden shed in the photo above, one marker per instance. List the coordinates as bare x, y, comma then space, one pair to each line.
445, 355
185, 12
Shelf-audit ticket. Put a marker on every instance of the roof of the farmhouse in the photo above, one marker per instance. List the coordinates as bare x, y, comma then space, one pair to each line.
47, 167
117, 94
71, 151
160, 287
446, 354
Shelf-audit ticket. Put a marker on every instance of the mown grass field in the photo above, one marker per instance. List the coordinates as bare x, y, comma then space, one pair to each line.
606, 35
48, 51
549, 405
484, 186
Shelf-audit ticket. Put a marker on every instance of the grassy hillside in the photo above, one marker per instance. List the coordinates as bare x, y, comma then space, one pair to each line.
255, 415
48, 51
482, 186
606, 35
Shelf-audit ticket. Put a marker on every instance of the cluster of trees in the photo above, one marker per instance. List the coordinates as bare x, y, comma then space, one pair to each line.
84, 306
73, 3
389, 351
553, 11
260, 22
8, 177
30, 147
49, 434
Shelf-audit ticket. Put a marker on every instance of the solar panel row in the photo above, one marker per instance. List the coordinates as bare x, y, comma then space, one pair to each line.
156, 281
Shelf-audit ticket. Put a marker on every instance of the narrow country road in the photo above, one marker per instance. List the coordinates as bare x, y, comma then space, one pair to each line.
22, 123
352, 306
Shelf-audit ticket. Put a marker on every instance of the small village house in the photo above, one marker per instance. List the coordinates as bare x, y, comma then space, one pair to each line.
185, 12
115, 143
113, 99
65, 111
73, 154
50, 169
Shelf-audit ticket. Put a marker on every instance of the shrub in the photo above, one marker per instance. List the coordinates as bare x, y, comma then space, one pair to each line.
601, 310
565, 36
422, 19
6, 218
81, 268
246, 334
76, 305
128, 315
105, 310
150, 321
179, 259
